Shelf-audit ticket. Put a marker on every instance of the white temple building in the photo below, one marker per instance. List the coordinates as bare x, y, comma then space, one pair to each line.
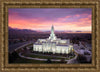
53, 44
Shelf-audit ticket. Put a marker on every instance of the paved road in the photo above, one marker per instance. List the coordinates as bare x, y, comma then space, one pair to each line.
15, 46
80, 51
39, 58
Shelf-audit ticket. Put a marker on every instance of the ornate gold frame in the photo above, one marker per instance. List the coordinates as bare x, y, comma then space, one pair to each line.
4, 5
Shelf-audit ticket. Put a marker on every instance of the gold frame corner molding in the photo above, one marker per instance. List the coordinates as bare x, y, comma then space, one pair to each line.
6, 4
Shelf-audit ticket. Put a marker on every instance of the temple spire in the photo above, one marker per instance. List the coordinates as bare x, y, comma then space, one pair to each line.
52, 30
52, 35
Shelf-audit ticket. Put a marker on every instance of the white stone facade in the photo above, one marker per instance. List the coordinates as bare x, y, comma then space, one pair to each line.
53, 44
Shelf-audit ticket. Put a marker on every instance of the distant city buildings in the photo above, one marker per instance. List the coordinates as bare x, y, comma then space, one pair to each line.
53, 44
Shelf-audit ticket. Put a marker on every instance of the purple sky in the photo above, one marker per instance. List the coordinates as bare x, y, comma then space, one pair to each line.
72, 19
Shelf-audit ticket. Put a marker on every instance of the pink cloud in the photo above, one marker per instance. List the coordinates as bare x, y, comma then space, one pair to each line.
83, 23
77, 15
64, 18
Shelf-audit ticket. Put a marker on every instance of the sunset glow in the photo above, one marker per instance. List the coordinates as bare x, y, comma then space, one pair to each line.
63, 19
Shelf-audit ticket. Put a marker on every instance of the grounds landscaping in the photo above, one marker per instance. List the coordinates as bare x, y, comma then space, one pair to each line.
28, 53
